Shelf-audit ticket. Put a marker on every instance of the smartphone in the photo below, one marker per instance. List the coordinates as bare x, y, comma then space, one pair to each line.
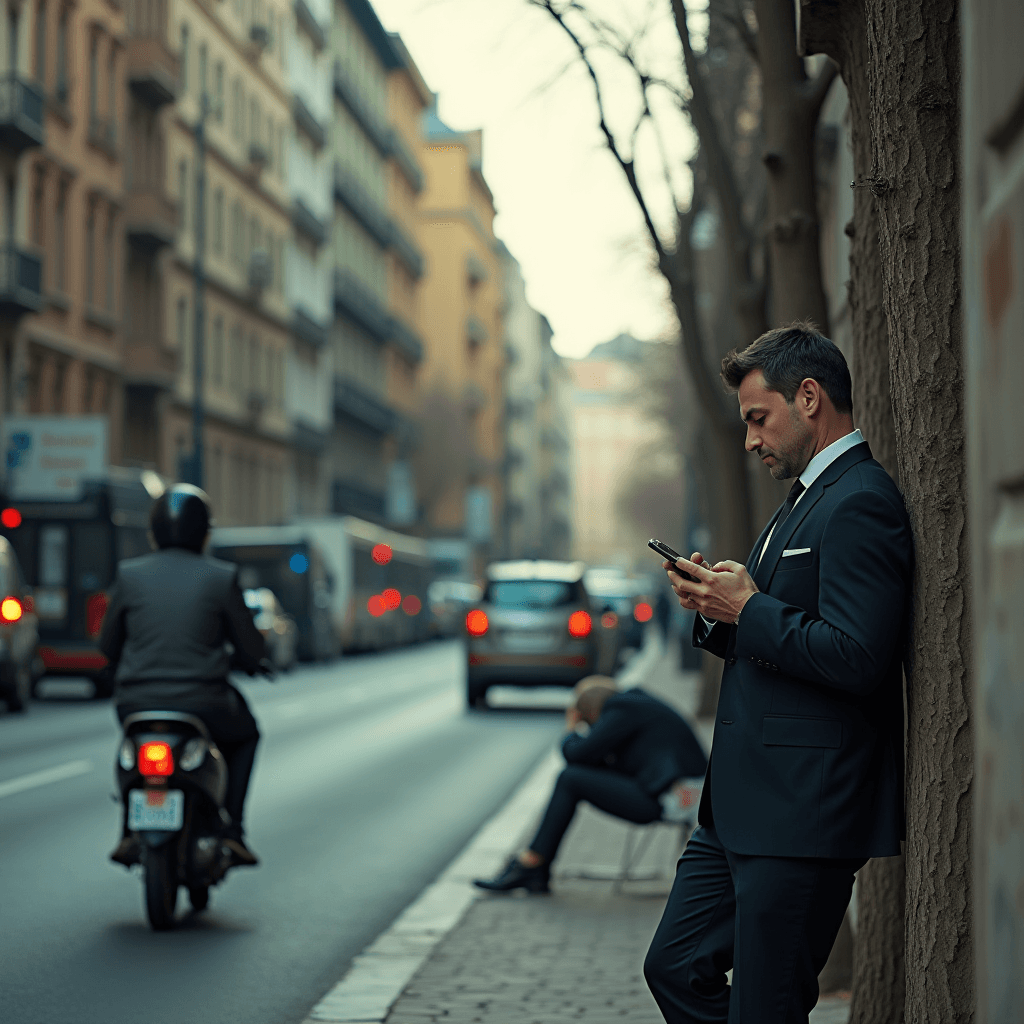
666, 552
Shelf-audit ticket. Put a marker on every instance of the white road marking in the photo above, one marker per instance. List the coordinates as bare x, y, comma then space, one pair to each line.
45, 777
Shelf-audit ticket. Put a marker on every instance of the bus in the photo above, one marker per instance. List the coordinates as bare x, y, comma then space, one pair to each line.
361, 585
68, 551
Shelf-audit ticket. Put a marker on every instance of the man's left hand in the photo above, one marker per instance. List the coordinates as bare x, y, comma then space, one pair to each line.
719, 593
572, 718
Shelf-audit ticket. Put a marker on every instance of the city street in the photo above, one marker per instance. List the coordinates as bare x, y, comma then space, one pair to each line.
369, 779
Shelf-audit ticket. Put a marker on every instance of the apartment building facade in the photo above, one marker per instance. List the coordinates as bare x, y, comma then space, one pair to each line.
462, 302
62, 154
308, 271
232, 77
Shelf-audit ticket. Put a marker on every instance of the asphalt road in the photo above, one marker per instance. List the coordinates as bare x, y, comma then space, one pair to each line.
370, 777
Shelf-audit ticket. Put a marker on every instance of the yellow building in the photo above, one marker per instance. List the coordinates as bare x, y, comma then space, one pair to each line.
461, 313
234, 55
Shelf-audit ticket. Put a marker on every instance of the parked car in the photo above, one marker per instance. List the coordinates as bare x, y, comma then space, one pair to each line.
449, 600
277, 626
533, 626
19, 633
628, 597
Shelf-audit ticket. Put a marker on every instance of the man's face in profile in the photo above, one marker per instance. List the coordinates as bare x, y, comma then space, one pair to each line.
775, 430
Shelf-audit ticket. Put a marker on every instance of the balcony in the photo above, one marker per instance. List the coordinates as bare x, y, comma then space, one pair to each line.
307, 122
349, 498
308, 223
355, 402
405, 249
475, 331
152, 67
346, 90
305, 17
406, 162
21, 280
306, 327
151, 218
354, 300
21, 115
103, 135
259, 156
406, 340
361, 205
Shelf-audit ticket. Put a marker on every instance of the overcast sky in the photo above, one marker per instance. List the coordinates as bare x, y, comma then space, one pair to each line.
564, 207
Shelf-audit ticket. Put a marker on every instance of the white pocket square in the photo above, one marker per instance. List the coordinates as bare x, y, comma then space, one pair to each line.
795, 551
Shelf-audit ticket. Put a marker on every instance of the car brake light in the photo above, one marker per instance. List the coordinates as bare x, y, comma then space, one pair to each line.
643, 612
11, 518
579, 624
392, 598
476, 622
95, 609
155, 758
10, 609
609, 620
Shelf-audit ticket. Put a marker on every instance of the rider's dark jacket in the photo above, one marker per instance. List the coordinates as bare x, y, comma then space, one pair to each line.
169, 616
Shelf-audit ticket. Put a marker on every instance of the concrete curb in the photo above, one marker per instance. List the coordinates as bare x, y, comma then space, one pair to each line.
380, 973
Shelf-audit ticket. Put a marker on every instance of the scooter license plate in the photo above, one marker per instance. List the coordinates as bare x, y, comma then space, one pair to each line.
155, 810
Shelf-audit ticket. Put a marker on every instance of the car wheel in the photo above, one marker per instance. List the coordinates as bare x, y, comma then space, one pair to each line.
476, 696
20, 692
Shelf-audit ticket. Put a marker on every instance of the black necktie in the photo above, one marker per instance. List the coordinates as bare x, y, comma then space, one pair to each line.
787, 506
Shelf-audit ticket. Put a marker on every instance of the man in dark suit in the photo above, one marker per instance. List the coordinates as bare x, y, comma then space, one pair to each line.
635, 749
171, 613
805, 781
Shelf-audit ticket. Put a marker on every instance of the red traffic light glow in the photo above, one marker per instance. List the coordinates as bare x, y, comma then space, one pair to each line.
155, 758
381, 553
11, 518
375, 606
411, 604
476, 622
579, 624
643, 612
392, 599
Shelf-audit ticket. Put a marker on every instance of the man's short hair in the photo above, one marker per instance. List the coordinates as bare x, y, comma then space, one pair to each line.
591, 693
789, 355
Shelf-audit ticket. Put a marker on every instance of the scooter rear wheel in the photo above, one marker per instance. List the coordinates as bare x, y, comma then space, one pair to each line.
161, 886
199, 896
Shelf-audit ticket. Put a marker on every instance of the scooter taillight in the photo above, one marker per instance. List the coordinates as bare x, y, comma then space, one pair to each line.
155, 758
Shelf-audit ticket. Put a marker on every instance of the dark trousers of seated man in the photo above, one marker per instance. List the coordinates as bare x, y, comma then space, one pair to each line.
607, 790
773, 920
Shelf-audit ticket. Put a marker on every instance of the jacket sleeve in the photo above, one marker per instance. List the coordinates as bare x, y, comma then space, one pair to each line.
113, 632
864, 574
714, 638
241, 630
608, 733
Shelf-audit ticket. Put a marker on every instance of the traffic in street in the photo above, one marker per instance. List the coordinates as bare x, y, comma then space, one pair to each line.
371, 775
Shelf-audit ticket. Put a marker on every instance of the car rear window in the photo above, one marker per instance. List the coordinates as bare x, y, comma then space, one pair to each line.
529, 594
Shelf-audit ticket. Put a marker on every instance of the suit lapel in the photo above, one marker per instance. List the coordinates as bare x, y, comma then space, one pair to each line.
764, 570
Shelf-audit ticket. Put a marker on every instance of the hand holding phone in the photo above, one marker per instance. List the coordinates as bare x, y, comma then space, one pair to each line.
672, 555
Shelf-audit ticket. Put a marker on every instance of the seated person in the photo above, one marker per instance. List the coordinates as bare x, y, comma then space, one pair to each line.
636, 748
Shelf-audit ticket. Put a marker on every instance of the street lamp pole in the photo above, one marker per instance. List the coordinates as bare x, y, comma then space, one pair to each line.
199, 278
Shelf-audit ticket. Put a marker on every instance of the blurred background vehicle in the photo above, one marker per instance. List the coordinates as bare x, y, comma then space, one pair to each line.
628, 598
68, 552
449, 600
277, 626
533, 626
19, 635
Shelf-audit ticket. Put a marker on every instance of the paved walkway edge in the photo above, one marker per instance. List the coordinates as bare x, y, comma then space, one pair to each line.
379, 974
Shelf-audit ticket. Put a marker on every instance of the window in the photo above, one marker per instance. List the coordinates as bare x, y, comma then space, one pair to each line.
90, 254
218, 222
181, 333
182, 193
38, 199
41, 43
237, 104
60, 239
270, 144
63, 90
254, 120
183, 57
94, 43
237, 233
218, 92
204, 81
111, 94
111, 262
254, 364
235, 371
217, 356
279, 278
254, 235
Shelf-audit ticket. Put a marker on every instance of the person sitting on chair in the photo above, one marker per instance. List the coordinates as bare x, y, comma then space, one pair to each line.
636, 748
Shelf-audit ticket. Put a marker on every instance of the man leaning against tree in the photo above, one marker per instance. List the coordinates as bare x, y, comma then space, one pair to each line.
805, 781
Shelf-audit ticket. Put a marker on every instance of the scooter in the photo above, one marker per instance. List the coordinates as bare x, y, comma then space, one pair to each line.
172, 780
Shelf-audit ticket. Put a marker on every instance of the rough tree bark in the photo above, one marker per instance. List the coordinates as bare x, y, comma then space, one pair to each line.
914, 79
839, 30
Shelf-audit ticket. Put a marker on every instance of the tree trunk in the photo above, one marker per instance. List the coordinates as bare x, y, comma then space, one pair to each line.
791, 107
914, 80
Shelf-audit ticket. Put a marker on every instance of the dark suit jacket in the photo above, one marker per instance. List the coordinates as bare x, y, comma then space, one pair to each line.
808, 751
640, 736
171, 613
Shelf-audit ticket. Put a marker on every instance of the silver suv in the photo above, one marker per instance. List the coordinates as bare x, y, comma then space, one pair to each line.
534, 626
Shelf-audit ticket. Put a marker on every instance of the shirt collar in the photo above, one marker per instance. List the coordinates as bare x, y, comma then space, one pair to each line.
828, 455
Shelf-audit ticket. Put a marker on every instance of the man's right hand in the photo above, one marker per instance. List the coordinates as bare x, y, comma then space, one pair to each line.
675, 577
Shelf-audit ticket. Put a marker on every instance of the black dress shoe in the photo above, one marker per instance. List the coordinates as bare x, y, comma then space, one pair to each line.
517, 876
241, 855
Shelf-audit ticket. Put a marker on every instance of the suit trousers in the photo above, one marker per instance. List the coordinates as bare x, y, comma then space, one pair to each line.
608, 791
773, 920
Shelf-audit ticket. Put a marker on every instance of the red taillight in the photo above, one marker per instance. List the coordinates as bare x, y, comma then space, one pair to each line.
476, 622
643, 612
11, 518
155, 758
609, 620
381, 554
392, 598
10, 609
411, 604
579, 624
375, 606
95, 609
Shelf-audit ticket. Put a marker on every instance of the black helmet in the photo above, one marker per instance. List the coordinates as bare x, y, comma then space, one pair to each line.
181, 518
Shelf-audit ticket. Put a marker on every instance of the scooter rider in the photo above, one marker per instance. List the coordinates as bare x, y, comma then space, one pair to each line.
170, 615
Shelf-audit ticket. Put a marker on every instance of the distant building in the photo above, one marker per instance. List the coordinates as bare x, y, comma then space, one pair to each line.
461, 313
